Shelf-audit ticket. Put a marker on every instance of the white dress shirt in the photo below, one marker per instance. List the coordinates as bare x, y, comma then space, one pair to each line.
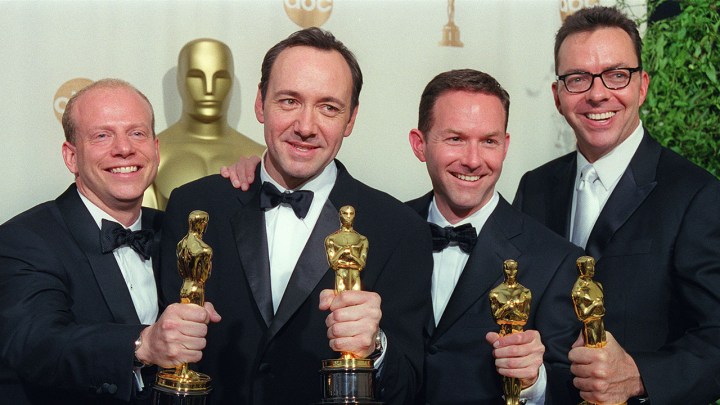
287, 234
137, 272
609, 169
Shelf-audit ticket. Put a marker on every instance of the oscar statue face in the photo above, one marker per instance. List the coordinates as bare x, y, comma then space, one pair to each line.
205, 74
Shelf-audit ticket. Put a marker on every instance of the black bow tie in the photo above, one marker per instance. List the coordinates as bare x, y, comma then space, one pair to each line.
299, 201
114, 235
464, 236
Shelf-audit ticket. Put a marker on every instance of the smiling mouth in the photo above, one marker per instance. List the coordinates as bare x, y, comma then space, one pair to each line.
466, 177
302, 148
600, 116
124, 169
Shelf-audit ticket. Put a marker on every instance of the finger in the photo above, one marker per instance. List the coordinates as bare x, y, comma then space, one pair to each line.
213, 315
224, 172
326, 298
350, 298
580, 341
492, 337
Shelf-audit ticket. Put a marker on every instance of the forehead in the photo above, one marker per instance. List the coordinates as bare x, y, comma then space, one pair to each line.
310, 70
465, 109
602, 48
104, 106
207, 56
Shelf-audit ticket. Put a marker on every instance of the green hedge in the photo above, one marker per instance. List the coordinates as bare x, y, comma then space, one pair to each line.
682, 56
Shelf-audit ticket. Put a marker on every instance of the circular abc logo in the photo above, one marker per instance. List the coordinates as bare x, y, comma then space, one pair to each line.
570, 7
308, 13
63, 94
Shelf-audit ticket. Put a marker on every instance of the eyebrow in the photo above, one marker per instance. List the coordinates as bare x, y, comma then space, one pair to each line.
295, 94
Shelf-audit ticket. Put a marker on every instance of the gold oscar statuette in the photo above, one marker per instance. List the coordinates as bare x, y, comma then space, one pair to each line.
451, 32
587, 296
347, 380
182, 386
510, 305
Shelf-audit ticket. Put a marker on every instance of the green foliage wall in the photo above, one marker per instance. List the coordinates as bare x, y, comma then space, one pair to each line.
682, 56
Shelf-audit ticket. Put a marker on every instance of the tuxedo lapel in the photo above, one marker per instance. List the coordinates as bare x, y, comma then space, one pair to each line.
248, 227
104, 267
634, 186
559, 199
310, 268
484, 266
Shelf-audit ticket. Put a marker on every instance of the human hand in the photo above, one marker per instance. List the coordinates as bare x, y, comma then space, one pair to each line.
518, 355
178, 336
242, 172
604, 375
353, 322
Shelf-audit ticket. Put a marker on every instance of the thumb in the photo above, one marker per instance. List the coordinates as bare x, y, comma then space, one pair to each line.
580, 341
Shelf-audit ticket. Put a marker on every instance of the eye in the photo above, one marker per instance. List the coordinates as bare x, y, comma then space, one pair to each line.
329, 110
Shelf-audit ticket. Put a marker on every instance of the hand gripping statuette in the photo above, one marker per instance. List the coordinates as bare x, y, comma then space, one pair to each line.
347, 380
510, 305
587, 296
182, 386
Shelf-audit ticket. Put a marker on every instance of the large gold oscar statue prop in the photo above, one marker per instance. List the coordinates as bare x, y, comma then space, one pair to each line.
347, 380
202, 140
182, 386
510, 305
587, 296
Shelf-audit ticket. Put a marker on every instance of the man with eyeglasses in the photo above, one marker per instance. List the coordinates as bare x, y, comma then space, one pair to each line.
649, 217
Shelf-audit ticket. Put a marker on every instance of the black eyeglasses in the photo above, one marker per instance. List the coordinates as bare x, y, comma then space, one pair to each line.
613, 79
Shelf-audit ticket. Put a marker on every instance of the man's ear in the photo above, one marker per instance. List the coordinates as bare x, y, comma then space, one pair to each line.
417, 143
351, 122
69, 152
259, 114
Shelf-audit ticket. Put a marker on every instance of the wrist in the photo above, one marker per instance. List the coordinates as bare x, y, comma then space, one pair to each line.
139, 362
380, 343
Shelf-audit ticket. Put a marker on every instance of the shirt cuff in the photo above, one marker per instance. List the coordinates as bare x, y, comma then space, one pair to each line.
535, 394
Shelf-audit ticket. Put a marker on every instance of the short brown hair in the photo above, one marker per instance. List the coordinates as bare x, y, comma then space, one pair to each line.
469, 80
594, 18
315, 38
68, 122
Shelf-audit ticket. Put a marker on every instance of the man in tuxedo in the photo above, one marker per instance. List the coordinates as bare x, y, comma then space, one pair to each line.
78, 288
462, 137
649, 217
271, 278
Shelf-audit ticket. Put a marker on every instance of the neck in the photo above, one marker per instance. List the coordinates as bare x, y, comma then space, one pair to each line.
204, 130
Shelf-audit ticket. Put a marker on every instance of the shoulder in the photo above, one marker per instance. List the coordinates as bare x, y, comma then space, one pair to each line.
678, 172
531, 235
552, 167
377, 207
210, 193
41, 218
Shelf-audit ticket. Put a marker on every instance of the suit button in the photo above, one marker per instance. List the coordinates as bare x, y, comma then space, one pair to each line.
111, 389
264, 368
433, 349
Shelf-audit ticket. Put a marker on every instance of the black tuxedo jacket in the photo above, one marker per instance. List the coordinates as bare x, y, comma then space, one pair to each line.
67, 322
657, 249
255, 357
459, 366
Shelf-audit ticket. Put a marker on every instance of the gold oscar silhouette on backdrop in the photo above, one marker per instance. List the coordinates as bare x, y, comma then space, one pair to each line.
510, 305
202, 141
347, 380
182, 386
588, 300
451, 32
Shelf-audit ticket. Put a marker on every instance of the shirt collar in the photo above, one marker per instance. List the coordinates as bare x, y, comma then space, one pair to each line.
477, 219
98, 214
323, 180
611, 166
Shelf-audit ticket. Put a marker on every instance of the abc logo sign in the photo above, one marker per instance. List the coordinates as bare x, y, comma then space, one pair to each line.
308, 13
